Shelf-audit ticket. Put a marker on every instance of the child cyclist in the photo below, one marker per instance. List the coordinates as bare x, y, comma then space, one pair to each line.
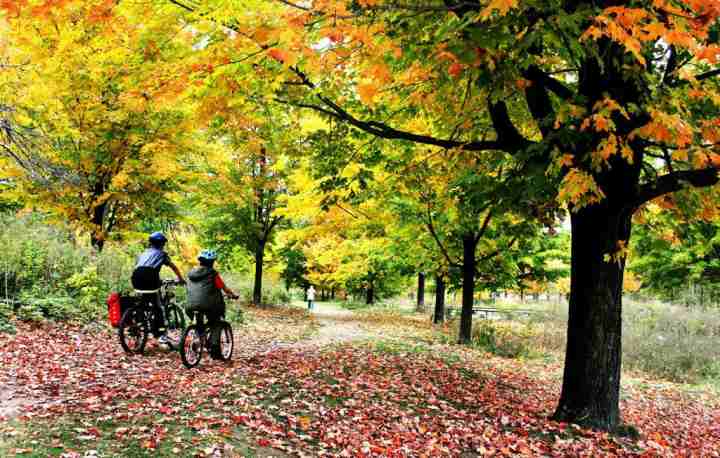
205, 288
146, 277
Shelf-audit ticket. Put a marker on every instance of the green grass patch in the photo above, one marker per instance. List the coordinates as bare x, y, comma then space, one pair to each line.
140, 436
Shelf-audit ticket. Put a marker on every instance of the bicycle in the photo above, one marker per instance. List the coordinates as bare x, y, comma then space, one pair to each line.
195, 338
137, 321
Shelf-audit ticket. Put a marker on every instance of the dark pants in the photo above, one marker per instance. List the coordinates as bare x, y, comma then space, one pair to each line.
148, 279
212, 318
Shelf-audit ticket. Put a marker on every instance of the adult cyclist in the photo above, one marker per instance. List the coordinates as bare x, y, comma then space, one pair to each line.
146, 277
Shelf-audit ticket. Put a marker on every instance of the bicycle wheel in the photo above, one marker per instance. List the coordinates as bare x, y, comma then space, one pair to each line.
191, 347
133, 330
223, 341
175, 325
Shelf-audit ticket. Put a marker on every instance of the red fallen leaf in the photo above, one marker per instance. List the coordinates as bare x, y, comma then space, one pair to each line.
150, 443
262, 442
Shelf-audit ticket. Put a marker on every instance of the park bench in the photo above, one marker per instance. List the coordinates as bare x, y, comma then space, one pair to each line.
489, 312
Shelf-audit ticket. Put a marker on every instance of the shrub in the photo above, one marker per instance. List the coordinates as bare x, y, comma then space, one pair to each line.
51, 277
509, 340
6, 312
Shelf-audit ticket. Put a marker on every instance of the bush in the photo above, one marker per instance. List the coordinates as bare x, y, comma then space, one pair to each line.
51, 277
6, 313
272, 293
509, 340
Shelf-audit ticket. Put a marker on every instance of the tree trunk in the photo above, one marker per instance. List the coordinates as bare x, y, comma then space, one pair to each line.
257, 288
421, 293
591, 380
468, 288
97, 243
370, 295
439, 316
332, 293
98, 218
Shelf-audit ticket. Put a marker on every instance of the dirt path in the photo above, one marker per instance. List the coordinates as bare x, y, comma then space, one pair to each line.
336, 326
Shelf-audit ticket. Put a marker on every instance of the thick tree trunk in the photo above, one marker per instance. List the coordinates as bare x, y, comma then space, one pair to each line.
332, 293
439, 315
468, 288
591, 381
420, 293
257, 287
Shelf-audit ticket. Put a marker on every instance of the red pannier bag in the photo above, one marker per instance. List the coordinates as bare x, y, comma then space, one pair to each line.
114, 309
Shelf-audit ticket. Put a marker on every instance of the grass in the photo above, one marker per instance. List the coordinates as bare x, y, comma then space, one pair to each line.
664, 341
104, 436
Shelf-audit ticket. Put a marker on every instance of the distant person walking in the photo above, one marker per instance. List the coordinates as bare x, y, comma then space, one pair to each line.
311, 297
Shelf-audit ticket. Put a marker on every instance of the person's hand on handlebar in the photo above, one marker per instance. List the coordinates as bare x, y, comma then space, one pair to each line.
230, 293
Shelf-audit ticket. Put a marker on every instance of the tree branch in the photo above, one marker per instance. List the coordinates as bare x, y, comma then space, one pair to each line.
484, 226
708, 74
509, 138
676, 181
538, 76
443, 250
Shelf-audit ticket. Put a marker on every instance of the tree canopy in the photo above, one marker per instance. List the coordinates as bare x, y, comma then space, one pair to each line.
392, 138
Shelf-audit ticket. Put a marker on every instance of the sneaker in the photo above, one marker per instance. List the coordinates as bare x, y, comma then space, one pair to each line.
164, 339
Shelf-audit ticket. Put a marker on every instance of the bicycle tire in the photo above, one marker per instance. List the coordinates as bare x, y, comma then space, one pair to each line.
223, 343
133, 330
191, 347
175, 325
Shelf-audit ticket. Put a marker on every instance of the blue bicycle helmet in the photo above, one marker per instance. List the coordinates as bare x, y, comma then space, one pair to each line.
157, 238
210, 255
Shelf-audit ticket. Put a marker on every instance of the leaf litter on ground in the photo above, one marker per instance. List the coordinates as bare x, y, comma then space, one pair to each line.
279, 395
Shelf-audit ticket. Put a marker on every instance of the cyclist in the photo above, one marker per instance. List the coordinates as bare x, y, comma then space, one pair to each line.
146, 277
204, 290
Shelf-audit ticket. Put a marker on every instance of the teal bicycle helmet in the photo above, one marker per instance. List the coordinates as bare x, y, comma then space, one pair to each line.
210, 255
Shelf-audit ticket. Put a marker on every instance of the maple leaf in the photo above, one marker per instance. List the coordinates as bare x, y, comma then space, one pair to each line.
501, 6
278, 54
455, 69
367, 92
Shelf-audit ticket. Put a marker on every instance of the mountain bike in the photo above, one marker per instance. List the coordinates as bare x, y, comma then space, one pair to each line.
216, 338
137, 321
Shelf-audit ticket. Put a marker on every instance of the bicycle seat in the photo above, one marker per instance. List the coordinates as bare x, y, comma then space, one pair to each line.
149, 291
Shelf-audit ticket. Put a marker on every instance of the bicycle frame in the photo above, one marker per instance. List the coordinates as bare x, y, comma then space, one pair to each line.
164, 294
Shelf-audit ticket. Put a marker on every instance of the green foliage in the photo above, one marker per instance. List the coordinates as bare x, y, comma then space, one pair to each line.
48, 276
273, 292
88, 289
669, 255
6, 312
508, 340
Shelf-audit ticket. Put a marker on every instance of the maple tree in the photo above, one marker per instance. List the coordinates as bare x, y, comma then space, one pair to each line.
346, 245
671, 256
95, 144
241, 193
598, 106
608, 106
